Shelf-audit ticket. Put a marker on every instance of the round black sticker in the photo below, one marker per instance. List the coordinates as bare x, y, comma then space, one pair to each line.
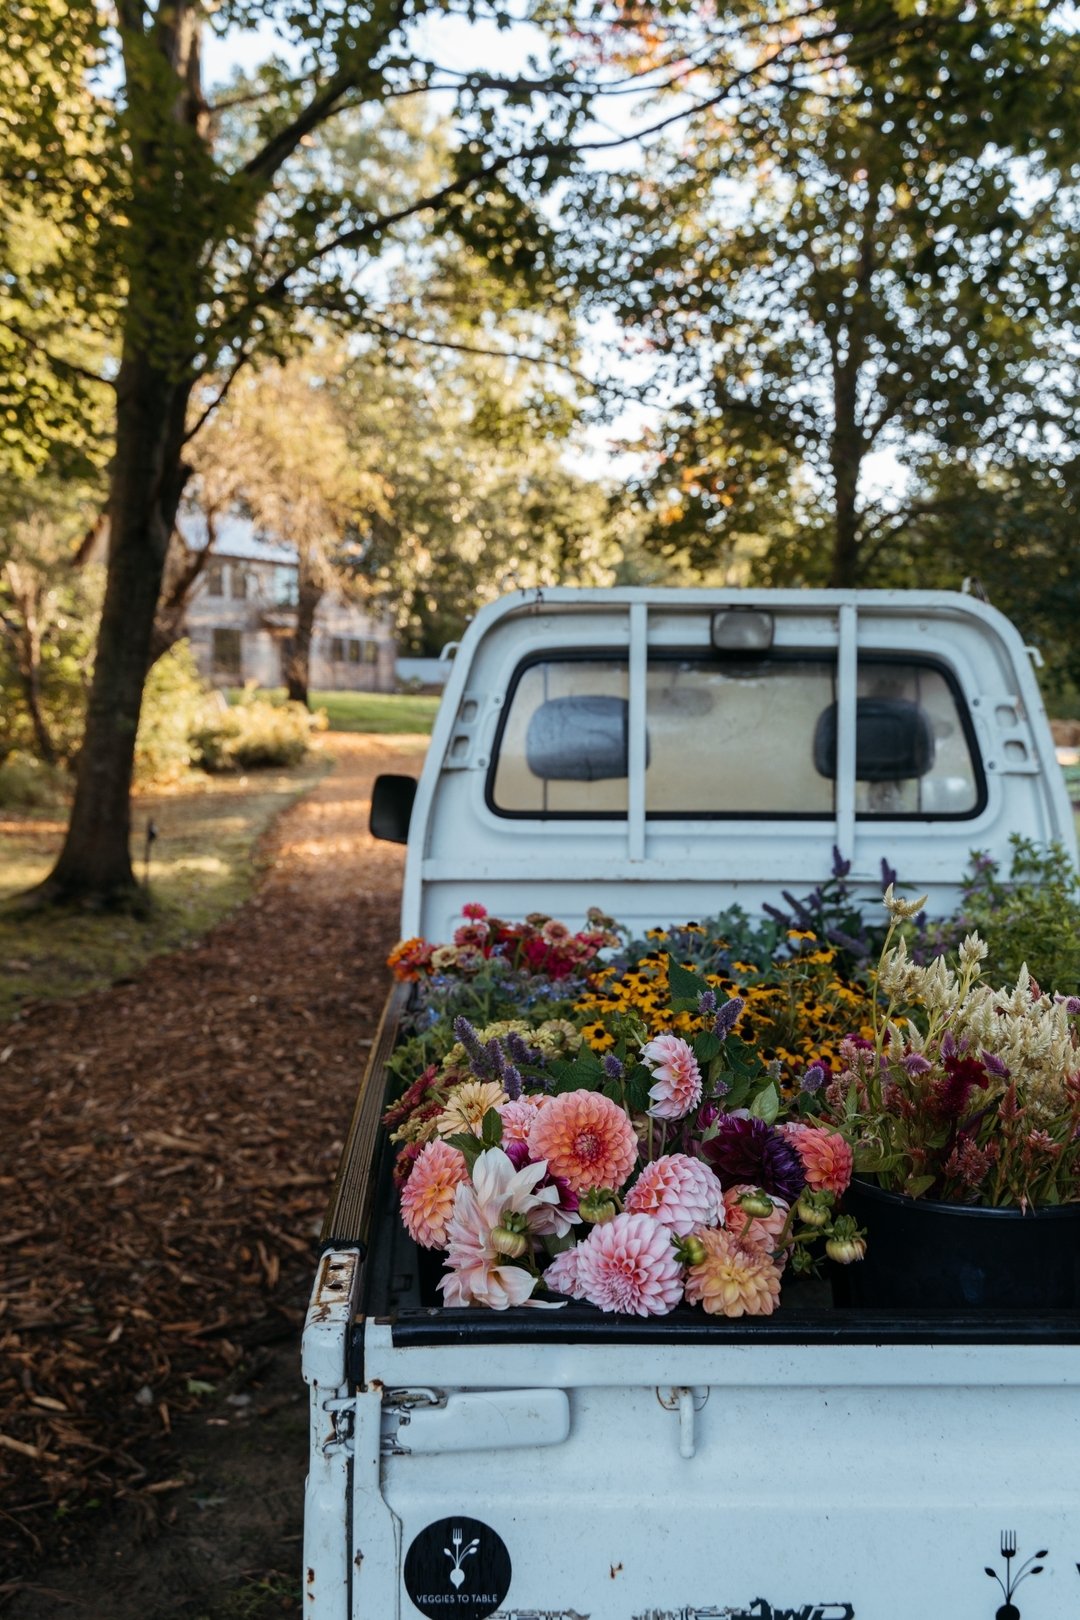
458, 1566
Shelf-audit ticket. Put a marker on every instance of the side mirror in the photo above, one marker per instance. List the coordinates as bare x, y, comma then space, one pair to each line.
391, 808
894, 740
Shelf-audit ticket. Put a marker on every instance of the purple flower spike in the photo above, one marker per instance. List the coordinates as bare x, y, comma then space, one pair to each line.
706, 1003
995, 1065
813, 1079
726, 1018
612, 1067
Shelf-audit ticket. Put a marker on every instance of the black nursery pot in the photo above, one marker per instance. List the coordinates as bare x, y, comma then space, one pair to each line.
953, 1256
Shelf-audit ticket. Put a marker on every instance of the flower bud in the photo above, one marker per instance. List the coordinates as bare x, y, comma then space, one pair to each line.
802, 1262
511, 1244
707, 1114
757, 1203
690, 1250
815, 1209
846, 1243
598, 1206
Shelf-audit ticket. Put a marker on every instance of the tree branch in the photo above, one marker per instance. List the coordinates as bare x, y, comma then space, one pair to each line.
404, 335
56, 361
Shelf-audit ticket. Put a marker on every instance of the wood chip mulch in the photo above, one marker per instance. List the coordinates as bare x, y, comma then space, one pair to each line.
168, 1146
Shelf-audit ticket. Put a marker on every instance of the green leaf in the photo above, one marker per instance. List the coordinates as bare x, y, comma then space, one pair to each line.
491, 1128
638, 1082
707, 1046
684, 986
583, 1074
468, 1144
766, 1105
917, 1185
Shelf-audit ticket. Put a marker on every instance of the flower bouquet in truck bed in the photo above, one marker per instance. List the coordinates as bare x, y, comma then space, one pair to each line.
963, 1109
613, 1137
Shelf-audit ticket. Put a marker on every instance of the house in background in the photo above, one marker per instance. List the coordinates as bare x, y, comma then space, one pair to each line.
242, 613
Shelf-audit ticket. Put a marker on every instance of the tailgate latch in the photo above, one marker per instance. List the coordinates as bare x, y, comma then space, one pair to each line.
417, 1422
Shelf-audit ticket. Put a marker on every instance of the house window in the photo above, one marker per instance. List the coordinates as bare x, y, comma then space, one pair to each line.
285, 592
238, 583
225, 653
370, 653
354, 652
337, 650
215, 577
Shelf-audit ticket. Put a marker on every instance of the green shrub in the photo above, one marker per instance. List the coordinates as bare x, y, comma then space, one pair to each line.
27, 783
1031, 916
176, 704
253, 734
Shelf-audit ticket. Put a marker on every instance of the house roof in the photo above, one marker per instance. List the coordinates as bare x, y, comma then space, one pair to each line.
234, 536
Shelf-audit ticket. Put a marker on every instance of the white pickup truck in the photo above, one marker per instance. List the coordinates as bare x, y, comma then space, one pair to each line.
663, 754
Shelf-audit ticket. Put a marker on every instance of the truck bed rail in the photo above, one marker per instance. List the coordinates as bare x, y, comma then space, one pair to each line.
348, 1216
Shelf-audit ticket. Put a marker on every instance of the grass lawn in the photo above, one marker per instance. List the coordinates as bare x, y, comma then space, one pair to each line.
382, 712
203, 865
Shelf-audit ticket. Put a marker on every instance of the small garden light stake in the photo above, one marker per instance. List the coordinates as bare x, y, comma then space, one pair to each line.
151, 836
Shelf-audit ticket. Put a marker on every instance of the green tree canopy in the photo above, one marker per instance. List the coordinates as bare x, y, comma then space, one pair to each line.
880, 263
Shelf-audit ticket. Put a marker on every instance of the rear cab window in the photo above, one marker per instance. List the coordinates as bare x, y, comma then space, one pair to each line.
751, 736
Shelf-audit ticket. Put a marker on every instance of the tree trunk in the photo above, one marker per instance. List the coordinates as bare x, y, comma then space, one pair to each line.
298, 663
26, 640
148, 476
31, 679
164, 243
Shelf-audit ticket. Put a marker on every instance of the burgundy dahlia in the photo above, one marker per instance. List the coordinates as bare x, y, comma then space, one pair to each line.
748, 1150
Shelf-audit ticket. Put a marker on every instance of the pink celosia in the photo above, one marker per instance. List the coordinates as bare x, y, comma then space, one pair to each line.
629, 1265
477, 1273
678, 1191
427, 1199
561, 1276
678, 1078
585, 1138
762, 1230
826, 1157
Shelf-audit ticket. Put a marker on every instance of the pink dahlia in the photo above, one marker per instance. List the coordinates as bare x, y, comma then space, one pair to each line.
826, 1157
586, 1139
679, 1192
629, 1265
427, 1198
518, 1117
678, 1078
734, 1279
760, 1230
562, 1274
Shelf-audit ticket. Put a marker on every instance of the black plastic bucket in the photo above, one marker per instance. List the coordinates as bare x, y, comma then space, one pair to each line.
955, 1256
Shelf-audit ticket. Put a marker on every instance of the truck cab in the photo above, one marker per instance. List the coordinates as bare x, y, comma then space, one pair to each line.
664, 755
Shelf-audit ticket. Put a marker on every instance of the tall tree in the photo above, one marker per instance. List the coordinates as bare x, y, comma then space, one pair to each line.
211, 256
855, 285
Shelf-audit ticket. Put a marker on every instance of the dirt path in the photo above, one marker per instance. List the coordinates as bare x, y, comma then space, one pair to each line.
166, 1154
